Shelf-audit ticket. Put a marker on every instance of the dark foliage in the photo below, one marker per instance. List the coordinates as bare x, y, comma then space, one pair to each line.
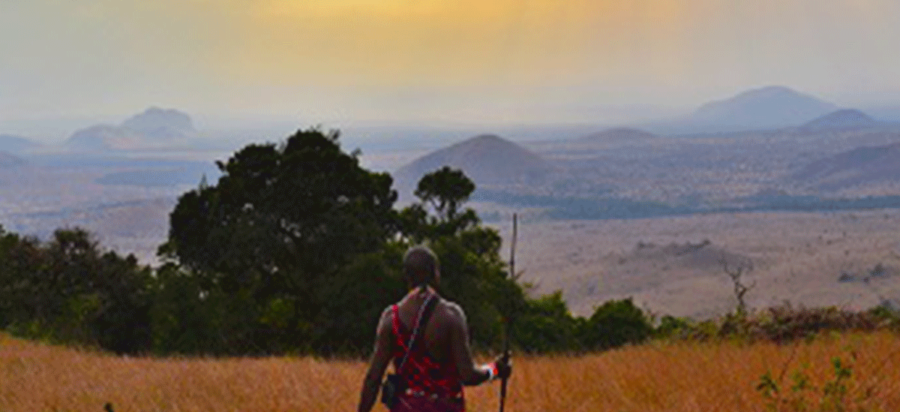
283, 224
547, 326
68, 290
616, 323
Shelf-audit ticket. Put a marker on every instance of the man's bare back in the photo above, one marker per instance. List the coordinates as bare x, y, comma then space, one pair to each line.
446, 336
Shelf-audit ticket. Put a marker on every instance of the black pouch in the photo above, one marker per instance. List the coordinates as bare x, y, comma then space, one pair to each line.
391, 387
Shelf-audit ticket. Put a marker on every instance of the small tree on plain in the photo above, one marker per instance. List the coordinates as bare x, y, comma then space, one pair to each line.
737, 271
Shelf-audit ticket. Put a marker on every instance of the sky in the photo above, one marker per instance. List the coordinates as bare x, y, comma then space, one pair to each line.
421, 61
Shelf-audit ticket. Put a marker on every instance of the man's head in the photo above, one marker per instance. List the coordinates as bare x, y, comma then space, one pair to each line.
421, 267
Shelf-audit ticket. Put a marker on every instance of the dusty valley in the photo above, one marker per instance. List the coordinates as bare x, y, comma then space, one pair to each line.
675, 265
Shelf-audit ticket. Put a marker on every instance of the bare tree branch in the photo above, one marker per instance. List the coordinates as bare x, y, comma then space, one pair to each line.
737, 272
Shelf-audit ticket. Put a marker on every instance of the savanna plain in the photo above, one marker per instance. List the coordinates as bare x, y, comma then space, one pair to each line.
658, 376
675, 266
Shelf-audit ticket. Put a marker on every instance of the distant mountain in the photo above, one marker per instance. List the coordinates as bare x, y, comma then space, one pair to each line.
768, 107
152, 129
161, 123
104, 137
852, 168
485, 159
840, 120
618, 135
16, 144
885, 113
7, 160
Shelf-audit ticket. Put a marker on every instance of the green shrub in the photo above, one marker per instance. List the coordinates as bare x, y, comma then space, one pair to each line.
614, 324
547, 326
671, 327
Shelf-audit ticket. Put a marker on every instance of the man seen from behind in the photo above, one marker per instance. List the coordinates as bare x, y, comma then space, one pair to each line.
430, 376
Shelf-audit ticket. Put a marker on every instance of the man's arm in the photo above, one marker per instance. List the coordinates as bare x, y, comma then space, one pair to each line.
381, 357
469, 373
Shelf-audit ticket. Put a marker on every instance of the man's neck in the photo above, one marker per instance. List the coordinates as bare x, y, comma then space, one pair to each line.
418, 290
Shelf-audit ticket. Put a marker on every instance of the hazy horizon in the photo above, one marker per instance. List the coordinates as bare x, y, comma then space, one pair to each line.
467, 63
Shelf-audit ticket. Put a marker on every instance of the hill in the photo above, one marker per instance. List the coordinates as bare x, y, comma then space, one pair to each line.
8, 160
855, 167
840, 120
16, 144
619, 135
152, 129
486, 159
768, 107
156, 123
103, 137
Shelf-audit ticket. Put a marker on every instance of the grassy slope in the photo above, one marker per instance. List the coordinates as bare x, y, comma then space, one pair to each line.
655, 377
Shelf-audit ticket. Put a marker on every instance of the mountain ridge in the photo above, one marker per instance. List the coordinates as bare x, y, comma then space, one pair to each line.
155, 122
152, 128
486, 159
859, 166
16, 144
8, 160
766, 107
840, 120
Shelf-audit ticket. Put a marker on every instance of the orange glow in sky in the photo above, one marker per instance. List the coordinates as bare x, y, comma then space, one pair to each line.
426, 58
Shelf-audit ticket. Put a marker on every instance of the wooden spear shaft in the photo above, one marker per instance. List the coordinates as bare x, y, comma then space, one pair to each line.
506, 325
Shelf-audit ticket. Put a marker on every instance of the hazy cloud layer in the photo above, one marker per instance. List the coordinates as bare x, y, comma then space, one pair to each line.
465, 60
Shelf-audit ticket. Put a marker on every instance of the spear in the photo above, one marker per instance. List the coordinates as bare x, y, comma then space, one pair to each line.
508, 320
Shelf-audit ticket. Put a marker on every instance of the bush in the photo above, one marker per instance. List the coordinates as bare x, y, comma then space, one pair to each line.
69, 290
614, 324
673, 327
547, 326
785, 323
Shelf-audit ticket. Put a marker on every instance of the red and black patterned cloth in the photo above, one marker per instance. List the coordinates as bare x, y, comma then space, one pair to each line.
430, 385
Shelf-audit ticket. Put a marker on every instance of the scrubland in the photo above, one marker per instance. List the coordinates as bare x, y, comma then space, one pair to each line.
798, 258
685, 376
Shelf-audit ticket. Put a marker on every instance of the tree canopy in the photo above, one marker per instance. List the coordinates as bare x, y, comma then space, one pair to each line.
282, 222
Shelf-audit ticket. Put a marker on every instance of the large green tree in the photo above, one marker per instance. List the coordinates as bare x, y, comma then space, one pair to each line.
282, 221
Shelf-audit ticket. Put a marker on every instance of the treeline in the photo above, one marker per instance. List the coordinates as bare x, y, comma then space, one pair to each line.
296, 249
67, 290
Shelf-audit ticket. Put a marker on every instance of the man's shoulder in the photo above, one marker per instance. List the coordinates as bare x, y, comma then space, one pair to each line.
449, 304
451, 309
385, 321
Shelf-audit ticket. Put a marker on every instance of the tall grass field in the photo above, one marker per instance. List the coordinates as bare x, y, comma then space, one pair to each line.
721, 376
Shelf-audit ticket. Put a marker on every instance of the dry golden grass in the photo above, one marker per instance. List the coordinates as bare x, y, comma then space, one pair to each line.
654, 377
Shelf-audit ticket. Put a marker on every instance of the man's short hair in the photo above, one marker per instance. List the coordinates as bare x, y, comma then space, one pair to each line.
419, 265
